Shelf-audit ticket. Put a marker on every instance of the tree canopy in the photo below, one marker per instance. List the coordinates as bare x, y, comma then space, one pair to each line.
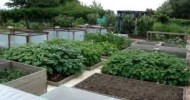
37, 3
176, 8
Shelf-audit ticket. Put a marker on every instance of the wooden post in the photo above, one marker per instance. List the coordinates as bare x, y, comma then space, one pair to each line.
9, 40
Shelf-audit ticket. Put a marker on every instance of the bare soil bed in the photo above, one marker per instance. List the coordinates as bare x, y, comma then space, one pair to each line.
130, 89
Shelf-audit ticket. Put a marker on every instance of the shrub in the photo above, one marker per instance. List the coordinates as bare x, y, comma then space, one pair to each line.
144, 24
119, 41
62, 59
154, 67
183, 22
79, 21
111, 20
168, 28
128, 24
158, 27
64, 21
35, 26
92, 18
162, 18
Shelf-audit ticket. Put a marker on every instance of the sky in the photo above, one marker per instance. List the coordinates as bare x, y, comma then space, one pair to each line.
119, 4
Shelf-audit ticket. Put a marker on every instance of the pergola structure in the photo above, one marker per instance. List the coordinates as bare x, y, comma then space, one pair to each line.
122, 13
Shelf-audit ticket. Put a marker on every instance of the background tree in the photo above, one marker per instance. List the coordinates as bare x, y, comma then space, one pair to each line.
37, 3
17, 3
175, 8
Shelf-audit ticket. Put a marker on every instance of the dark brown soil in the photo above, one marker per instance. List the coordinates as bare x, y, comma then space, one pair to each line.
130, 89
56, 77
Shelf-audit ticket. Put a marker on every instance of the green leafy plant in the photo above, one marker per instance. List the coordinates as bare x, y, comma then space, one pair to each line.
79, 21
58, 59
108, 48
7, 75
144, 24
92, 18
128, 24
154, 67
119, 41
64, 21
91, 52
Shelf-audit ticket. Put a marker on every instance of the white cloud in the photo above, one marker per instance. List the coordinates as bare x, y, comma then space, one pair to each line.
119, 4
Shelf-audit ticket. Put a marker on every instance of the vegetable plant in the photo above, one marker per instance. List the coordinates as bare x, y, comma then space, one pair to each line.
7, 75
60, 59
107, 48
149, 66
119, 41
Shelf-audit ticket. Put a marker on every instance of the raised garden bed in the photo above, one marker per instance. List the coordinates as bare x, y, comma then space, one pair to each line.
34, 80
130, 89
162, 47
57, 80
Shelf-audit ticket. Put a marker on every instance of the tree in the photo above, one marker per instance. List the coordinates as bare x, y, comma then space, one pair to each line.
43, 3
37, 3
17, 3
175, 8
96, 5
166, 8
65, 1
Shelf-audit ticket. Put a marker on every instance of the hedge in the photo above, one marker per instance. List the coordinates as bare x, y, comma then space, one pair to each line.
48, 14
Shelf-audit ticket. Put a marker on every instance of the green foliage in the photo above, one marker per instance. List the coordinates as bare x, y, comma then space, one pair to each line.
7, 75
145, 24
111, 20
37, 14
37, 3
176, 8
162, 18
2, 50
91, 52
35, 26
62, 59
108, 48
119, 41
79, 21
18, 25
154, 67
64, 21
128, 24
92, 18
170, 27
181, 22
165, 8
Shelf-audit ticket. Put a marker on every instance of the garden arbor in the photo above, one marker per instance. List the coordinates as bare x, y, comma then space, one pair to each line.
135, 14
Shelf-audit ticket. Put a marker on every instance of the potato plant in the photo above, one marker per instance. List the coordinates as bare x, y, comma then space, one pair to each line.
149, 66
62, 59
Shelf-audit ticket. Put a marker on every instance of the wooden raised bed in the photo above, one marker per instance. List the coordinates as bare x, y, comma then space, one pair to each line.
65, 80
35, 82
162, 47
131, 89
